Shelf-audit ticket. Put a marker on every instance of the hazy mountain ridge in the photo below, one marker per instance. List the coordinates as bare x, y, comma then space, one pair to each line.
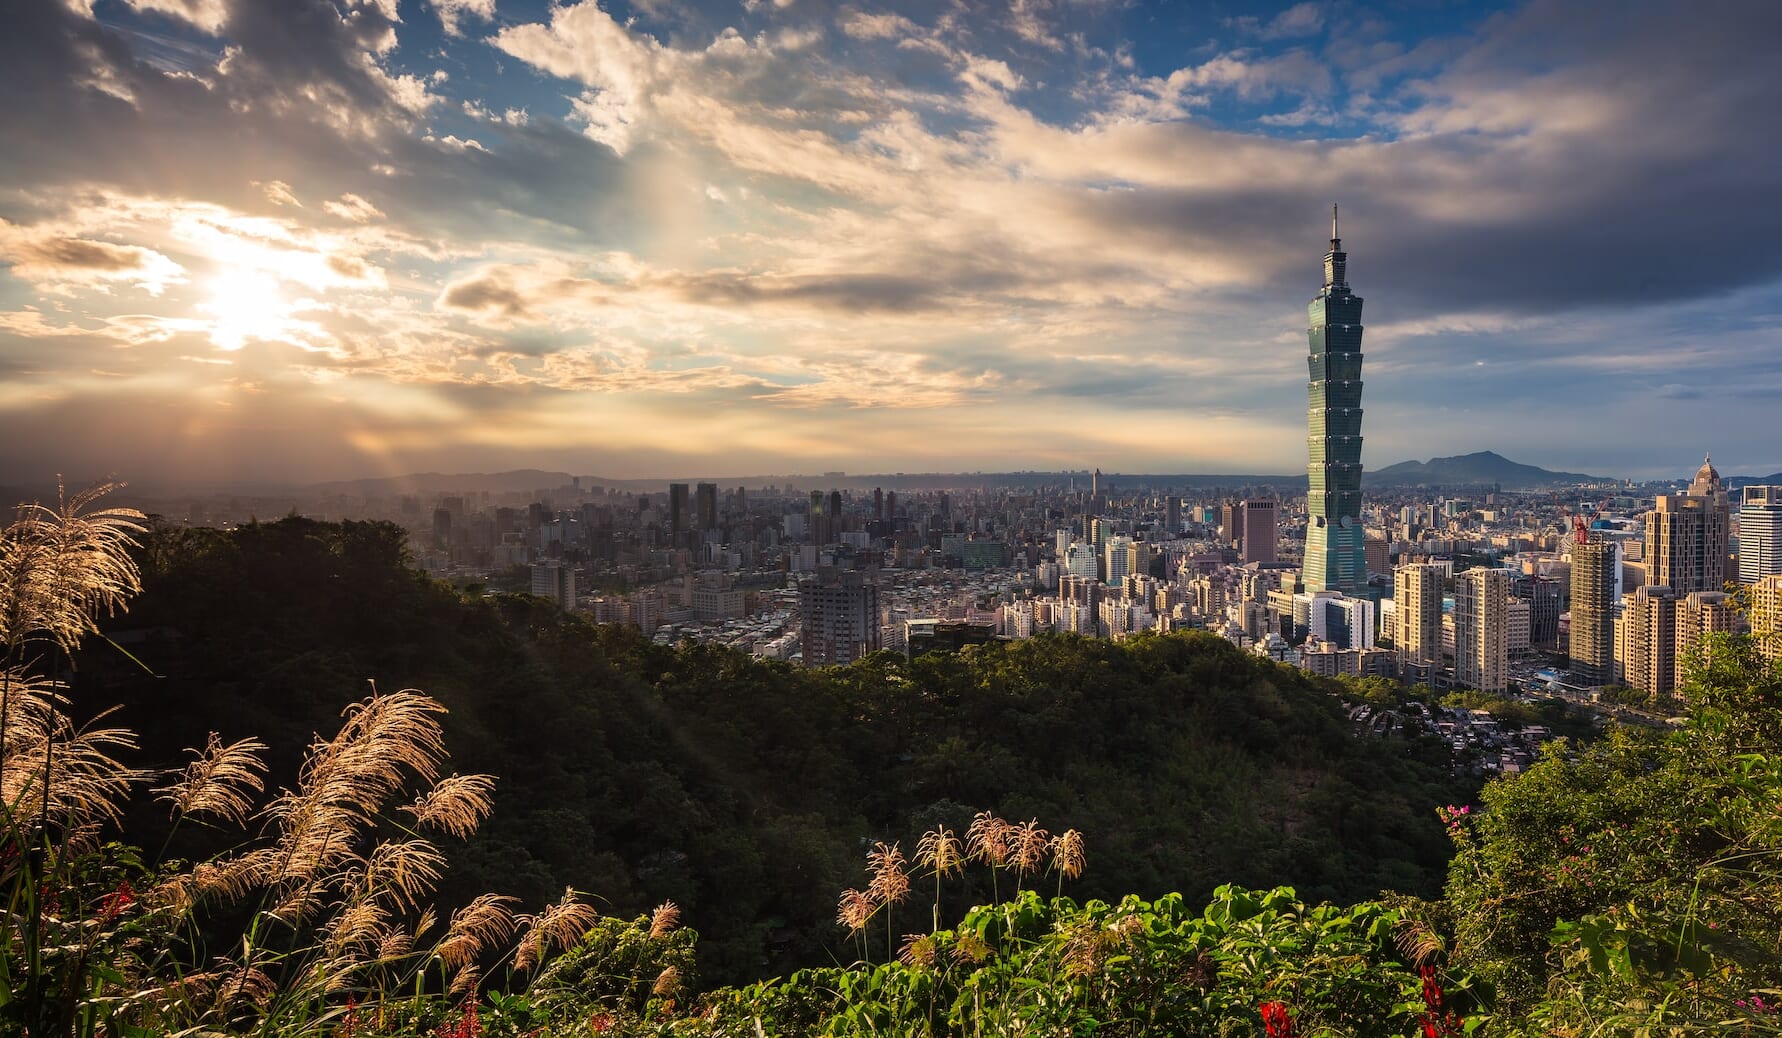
1478, 468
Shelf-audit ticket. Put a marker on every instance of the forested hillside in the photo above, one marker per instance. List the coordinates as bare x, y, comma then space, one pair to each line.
747, 791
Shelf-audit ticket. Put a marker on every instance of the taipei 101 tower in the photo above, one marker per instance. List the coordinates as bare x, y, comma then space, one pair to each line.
1334, 558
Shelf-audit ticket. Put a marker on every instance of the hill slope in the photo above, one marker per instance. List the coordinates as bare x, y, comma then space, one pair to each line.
744, 790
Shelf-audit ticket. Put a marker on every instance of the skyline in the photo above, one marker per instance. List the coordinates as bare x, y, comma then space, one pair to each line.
299, 242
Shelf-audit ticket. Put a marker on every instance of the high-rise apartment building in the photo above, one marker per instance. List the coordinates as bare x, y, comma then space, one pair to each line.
1259, 531
1335, 559
1119, 559
1646, 640
705, 500
838, 618
1417, 616
1760, 533
1229, 526
1594, 565
1543, 597
1482, 629
1688, 535
554, 580
1700, 614
1766, 615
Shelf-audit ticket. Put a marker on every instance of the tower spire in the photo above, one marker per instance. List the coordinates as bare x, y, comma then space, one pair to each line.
1333, 223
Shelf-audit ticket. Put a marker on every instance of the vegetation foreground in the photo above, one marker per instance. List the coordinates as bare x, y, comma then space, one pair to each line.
1625, 887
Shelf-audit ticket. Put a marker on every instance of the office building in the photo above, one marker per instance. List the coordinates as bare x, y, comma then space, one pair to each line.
838, 618
1760, 533
1417, 614
1377, 553
705, 500
1688, 535
1482, 629
1260, 525
1335, 559
678, 513
1592, 647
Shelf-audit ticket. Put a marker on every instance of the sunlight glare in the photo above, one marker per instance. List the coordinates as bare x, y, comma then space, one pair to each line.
243, 305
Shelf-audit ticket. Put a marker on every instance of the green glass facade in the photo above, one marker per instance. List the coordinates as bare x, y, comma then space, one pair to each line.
1334, 557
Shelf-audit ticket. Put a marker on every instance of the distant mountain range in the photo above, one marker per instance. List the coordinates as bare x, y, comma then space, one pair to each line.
1482, 468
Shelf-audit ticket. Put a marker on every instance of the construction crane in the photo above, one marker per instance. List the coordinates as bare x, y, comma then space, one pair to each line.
1580, 532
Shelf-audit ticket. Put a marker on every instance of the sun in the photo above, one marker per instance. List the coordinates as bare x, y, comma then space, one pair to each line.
243, 305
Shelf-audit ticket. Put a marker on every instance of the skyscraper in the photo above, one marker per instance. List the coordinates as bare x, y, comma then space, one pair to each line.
705, 499
1258, 539
1482, 629
1760, 534
677, 508
1335, 558
1688, 534
1594, 565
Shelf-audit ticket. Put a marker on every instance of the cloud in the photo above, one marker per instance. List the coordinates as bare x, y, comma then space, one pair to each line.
453, 12
58, 263
352, 208
1304, 19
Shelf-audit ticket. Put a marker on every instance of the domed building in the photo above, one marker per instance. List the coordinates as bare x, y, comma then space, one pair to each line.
1689, 535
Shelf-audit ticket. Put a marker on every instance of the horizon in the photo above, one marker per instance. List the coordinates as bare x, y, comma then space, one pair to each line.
330, 240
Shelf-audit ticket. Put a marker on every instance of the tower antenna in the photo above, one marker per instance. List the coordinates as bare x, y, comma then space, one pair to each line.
1333, 223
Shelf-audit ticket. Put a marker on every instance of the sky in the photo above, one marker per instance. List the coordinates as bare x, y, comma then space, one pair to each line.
295, 240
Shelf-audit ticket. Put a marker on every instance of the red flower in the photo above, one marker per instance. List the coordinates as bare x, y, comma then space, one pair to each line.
1436, 1023
1276, 1020
114, 903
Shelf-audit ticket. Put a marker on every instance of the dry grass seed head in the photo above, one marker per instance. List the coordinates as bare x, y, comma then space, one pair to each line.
941, 852
465, 980
667, 982
62, 568
362, 924
664, 919
854, 909
220, 783
890, 883
919, 951
457, 804
1027, 845
395, 945
970, 948
562, 924
85, 783
1068, 858
485, 921
1418, 942
988, 839
402, 871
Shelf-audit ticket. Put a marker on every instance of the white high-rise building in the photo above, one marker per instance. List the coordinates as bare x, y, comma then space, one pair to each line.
1482, 629
1079, 561
1760, 534
555, 580
1121, 556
